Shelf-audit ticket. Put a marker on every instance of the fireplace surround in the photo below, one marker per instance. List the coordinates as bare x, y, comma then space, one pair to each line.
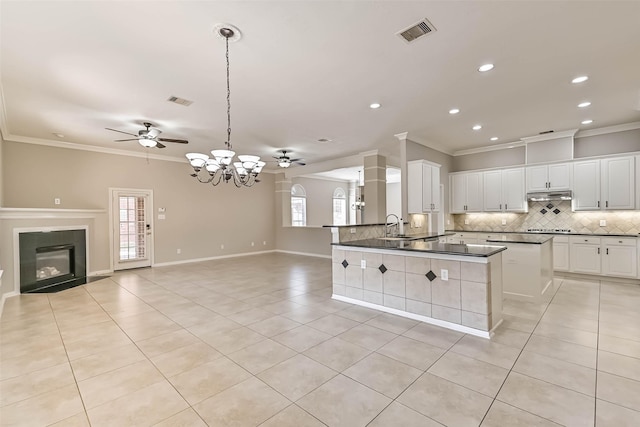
52, 260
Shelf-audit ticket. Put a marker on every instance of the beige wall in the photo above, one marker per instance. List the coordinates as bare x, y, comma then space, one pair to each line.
199, 217
417, 151
1, 174
320, 198
489, 159
612, 143
394, 199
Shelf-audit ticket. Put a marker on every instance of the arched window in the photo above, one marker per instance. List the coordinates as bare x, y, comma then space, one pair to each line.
298, 206
339, 207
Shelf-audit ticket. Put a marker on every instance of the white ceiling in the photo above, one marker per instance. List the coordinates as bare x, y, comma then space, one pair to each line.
309, 69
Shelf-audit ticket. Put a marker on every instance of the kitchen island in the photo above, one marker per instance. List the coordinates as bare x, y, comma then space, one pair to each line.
449, 285
527, 266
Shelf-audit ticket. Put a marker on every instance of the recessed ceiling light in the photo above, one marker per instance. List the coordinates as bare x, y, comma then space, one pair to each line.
59, 135
485, 67
374, 105
454, 111
477, 127
584, 104
580, 79
494, 138
587, 122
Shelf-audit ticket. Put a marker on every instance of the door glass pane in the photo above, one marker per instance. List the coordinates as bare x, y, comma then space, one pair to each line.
132, 229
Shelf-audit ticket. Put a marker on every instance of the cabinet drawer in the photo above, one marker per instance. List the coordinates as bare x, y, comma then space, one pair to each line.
560, 239
617, 241
586, 239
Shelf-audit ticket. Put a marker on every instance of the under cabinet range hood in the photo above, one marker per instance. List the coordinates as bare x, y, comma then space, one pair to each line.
544, 196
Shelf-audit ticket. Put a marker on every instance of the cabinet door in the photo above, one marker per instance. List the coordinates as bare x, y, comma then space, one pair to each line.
414, 187
618, 185
492, 191
435, 188
585, 258
458, 193
474, 191
537, 178
620, 261
561, 256
427, 188
560, 176
586, 185
514, 196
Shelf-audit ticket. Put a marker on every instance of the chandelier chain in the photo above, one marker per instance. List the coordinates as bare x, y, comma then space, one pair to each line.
228, 98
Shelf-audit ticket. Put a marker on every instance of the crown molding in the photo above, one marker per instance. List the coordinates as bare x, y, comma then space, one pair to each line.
404, 136
497, 147
608, 129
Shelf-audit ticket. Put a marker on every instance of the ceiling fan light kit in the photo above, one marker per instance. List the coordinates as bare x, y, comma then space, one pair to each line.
222, 168
148, 137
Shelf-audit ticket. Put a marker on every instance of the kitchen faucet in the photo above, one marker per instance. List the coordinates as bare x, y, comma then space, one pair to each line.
387, 226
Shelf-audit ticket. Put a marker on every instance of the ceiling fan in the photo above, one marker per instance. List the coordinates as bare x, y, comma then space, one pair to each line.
285, 161
149, 137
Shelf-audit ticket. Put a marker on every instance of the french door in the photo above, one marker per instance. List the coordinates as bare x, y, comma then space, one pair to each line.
131, 222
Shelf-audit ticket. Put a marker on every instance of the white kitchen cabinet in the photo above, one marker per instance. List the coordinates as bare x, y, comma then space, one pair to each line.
423, 186
585, 255
619, 257
466, 192
463, 238
504, 191
607, 184
560, 253
549, 177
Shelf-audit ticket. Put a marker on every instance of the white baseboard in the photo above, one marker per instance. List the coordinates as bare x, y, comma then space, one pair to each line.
431, 320
189, 261
303, 254
4, 297
99, 273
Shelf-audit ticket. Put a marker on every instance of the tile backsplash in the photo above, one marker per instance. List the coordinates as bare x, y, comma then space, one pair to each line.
553, 214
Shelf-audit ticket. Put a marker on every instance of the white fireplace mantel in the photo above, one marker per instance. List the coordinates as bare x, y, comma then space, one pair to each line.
34, 213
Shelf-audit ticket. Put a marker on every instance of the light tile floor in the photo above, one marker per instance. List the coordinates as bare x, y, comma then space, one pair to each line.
258, 341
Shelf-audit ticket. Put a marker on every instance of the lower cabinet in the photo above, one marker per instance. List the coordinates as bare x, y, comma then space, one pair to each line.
560, 253
607, 256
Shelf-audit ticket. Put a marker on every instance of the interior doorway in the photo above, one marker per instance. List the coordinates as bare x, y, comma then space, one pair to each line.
131, 228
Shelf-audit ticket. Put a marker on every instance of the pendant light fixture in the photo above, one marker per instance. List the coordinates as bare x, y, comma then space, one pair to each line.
221, 167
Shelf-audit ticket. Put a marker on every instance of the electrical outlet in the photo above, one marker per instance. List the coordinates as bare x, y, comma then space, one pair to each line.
221, 246
352, 230
603, 223
363, 263
264, 243
504, 222
162, 216
178, 251
56, 201
253, 244
466, 222
444, 274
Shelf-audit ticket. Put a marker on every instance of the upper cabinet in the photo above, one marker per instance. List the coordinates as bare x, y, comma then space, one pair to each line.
466, 192
607, 184
504, 190
549, 177
423, 186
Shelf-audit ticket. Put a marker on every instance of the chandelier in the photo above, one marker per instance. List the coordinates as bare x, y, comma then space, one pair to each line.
221, 167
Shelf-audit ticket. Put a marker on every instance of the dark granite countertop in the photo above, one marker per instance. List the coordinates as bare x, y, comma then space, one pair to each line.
428, 247
547, 233
524, 238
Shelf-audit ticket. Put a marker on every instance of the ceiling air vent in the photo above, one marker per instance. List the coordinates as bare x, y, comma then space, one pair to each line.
180, 101
416, 31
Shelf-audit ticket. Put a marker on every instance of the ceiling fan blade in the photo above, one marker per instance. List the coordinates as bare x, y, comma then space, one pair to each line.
126, 133
301, 164
295, 160
159, 145
278, 157
177, 141
122, 140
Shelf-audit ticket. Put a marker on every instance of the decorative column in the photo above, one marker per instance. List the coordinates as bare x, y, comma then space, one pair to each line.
375, 189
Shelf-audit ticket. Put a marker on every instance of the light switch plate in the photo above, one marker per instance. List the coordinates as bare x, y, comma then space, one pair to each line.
603, 223
466, 222
352, 231
363, 263
162, 216
504, 222
444, 274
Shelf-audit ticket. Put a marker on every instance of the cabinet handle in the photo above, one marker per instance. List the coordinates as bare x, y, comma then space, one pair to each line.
598, 251
606, 204
500, 206
607, 251
505, 207
598, 203
586, 240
